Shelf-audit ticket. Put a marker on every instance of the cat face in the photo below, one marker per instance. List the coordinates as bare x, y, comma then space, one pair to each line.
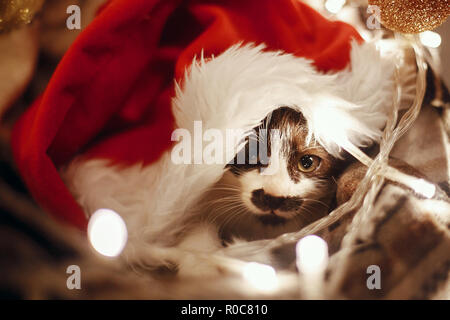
290, 189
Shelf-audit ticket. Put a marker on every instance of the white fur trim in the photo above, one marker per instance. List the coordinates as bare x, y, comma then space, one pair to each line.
239, 88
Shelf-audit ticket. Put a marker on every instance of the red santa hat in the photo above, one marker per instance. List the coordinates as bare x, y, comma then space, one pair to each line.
113, 94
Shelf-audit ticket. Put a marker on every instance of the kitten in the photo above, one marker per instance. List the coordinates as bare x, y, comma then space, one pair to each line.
249, 204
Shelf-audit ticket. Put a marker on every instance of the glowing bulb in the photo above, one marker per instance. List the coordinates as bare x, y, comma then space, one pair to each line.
312, 255
261, 276
107, 232
430, 39
424, 188
334, 6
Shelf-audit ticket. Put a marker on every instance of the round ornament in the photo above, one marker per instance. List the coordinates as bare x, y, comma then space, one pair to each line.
412, 16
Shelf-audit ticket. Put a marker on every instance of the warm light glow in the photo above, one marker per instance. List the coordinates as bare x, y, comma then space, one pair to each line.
261, 276
312, 255
430, 39
334, 6
424, 188
107, 232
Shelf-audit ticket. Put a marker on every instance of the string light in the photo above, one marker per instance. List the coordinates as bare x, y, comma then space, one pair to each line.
312, 260
424, 188
430, 39
334, 6
312, 254
261, 276
107, 232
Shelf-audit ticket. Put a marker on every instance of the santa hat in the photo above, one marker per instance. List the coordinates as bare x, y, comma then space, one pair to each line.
113, 95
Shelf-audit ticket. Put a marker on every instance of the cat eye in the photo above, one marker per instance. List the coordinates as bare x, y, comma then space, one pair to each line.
308, 163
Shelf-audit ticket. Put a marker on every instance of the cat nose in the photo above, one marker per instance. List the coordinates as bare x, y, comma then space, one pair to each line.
266, 201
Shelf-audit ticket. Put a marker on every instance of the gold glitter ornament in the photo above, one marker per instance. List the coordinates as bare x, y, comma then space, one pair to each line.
15, 13
412, 16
